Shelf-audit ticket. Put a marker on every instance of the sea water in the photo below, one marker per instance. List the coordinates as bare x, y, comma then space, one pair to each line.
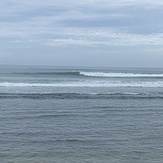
81, 115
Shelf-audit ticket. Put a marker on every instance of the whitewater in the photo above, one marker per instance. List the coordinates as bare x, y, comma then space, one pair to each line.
145, 84
122, 75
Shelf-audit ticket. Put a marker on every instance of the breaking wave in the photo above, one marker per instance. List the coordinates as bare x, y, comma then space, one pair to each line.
89, 74
103, 74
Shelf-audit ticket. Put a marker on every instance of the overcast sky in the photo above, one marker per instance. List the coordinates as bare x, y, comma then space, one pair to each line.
123, 33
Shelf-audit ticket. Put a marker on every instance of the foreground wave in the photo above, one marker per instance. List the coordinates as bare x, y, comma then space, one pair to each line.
116, 95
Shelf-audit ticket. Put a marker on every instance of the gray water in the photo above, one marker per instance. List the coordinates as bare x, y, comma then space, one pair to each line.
76, 115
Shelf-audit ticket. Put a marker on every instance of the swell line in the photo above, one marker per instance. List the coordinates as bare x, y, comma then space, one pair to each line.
44, 73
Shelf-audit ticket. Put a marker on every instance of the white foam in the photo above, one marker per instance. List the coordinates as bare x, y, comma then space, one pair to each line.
102, 74
154, 84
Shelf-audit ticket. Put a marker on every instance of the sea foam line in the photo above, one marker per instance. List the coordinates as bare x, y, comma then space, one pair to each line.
103, 74
155, 84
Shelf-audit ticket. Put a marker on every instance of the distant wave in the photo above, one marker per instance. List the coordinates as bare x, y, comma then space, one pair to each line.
151, 84
103, 74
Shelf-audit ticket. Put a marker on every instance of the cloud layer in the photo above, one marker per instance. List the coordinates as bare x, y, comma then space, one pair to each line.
89, 23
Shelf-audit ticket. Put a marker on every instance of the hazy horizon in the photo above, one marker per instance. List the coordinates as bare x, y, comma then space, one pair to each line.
77, 66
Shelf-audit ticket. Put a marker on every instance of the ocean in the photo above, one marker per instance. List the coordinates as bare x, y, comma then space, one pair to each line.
81, 115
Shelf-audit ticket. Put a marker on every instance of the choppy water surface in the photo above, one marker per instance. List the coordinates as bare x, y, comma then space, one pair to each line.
51, 114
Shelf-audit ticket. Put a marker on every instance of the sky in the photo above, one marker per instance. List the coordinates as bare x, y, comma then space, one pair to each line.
105, 33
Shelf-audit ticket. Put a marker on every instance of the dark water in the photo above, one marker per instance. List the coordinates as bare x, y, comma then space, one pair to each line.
76, 115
